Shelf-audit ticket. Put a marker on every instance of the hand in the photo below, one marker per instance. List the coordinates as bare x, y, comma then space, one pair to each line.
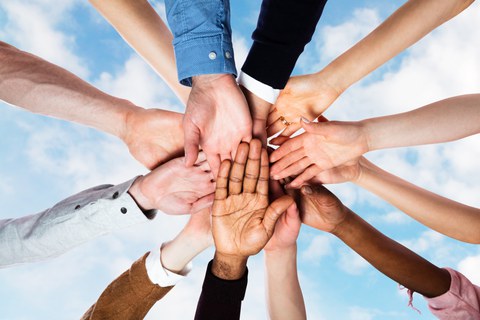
153, 136
175, 189
217, 118
321, 209
242, 219
305, 96
323, 146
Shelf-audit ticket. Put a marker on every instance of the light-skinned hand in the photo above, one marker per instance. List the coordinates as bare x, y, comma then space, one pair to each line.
174, 188
243, 220
321, 147
216, 118
153, 136
305, 96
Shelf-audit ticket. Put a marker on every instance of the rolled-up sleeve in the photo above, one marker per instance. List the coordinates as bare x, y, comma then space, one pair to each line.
202, 37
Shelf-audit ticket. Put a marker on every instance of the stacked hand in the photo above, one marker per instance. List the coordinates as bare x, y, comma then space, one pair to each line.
243, 220
216, 118
174, 188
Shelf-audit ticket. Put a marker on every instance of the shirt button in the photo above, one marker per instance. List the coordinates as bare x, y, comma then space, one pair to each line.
228, 55
77, 207
115, 195
212, 55
123, 210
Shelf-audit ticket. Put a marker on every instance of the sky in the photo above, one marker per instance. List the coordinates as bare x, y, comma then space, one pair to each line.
43, 160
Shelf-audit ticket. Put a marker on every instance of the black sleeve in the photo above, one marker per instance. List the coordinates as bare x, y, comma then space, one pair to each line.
284, 27
220, 299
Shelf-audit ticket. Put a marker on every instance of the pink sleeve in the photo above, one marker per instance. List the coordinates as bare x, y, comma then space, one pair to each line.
462, 301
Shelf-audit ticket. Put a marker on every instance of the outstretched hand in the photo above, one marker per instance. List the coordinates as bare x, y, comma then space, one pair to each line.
175, 189
323, 146
216, 118
242, 219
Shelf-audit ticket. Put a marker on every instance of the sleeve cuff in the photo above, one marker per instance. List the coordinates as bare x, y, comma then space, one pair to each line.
258, 88
158, 274
211, 55
226, 291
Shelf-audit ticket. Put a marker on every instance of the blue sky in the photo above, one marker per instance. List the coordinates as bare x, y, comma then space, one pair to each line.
44, 160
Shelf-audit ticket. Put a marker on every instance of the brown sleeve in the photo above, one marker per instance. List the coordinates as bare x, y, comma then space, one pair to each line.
130, 296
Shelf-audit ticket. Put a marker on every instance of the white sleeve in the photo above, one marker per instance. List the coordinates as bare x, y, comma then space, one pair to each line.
158, 274
71, 222
258, 88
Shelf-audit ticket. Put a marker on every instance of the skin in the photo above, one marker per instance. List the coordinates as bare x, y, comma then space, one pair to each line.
327, 145
310, 95
281, 250
40, 87
243, 219
443, 215
174, 188
320, 209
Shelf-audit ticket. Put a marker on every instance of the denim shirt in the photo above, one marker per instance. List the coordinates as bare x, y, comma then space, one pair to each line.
202, 37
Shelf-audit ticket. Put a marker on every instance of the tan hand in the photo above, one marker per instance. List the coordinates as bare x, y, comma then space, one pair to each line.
242, 219
305, 96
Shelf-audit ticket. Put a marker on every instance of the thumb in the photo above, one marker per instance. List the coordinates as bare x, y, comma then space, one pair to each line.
192, 140
274, 211
313, 127
202, 203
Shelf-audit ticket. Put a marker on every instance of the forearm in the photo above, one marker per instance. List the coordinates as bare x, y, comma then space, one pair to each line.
446, 216
284, 295
392, 259
140, 26
442, 121
404, 27
38, 86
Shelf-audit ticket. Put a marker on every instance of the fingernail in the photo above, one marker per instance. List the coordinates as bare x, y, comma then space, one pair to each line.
307, 190
276, 178
305, 120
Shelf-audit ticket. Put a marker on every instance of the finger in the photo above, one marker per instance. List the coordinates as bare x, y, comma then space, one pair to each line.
275, 190
226, 156
203, 203
252, 169
275, 127
292, 217
308, 174
192, 140
202, 156
262, 184
222, 181
278, 141
214, 163
274, 211
290, 146
289, 130
235, 181
286, 161
294, 169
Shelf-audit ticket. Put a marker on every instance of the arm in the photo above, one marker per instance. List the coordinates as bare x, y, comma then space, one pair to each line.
142, 28
242, 223
322, 210
329, 144
446, 216
100, 210
313, 94
134, 293
41, 87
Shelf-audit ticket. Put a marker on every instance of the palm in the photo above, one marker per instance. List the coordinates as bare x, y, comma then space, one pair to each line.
242, 229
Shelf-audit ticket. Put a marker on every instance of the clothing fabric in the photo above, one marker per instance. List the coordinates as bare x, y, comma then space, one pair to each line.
69, 223
462, 301
202, 37
284, 27
261, 90
221, 299
160, 275
128, 297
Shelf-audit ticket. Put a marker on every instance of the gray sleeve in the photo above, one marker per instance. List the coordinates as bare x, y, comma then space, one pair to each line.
69, 223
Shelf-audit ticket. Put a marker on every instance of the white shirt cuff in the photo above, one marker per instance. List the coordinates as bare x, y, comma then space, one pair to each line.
258, 88
158, 274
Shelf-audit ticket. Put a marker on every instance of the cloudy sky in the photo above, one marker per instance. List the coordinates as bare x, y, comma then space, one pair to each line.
44, 160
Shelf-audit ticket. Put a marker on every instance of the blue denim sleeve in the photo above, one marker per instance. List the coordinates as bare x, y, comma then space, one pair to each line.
202, 37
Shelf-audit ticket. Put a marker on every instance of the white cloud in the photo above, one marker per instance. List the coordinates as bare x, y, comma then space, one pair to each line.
320, 246
392, 217
33, 26
469, 266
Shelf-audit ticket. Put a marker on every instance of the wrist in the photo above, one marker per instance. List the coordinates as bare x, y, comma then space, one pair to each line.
229, 267
210, 80
127, 111
367, 131
282, 252
344, 228
333, 79
138, 196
